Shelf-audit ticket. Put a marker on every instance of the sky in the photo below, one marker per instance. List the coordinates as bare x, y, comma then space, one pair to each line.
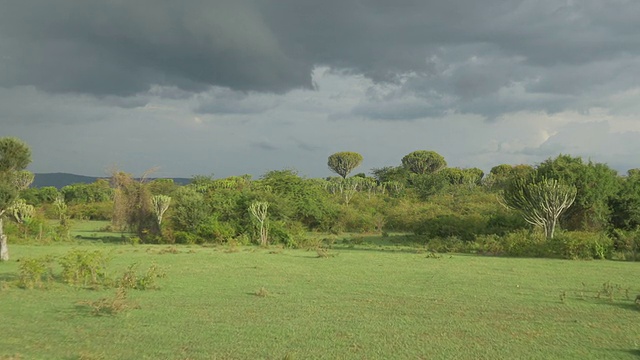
232, 87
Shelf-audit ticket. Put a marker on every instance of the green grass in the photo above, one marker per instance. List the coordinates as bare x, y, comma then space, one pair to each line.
361, 304
96, 231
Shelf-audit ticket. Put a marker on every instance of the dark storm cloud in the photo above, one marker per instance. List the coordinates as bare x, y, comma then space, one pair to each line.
485, 57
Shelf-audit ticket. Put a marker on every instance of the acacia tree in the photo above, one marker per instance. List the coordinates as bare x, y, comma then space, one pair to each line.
342, 163
423, 162
540, 202
15, 155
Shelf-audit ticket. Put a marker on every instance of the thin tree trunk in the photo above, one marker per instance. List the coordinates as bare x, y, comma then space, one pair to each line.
4, 250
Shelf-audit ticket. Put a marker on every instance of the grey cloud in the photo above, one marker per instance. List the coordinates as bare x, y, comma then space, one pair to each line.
264, 145
225, 101
459, 55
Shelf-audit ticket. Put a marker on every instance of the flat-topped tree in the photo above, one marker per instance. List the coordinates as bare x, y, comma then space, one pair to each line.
423, 162
15, 155
342, 163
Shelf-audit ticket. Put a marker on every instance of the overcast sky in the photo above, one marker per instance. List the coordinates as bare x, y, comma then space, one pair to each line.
231, 87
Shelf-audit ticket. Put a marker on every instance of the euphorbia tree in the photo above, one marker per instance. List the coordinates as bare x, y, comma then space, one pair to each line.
540, 202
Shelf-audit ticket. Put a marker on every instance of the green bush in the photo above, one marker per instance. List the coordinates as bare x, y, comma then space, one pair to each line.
491, 244
92, 211
626, 244
131, 280
82, 267
290, 234
525, 243
216, 231
582, 245
36, 272
451, 244
503, 223
465, 227
184, 237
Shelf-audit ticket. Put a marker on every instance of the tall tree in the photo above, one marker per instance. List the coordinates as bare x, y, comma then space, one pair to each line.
540, 202
15, 155
423, 162
342, 163
596, 184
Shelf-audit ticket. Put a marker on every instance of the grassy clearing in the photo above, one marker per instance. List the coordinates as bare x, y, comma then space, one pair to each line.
258, 303
97, 231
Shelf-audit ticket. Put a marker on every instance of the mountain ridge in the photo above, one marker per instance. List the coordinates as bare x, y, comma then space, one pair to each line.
60, 179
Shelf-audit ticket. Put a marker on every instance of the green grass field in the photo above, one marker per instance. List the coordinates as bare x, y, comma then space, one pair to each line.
359, 304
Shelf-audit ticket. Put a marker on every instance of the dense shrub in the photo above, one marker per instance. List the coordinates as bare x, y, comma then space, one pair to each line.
289, 234
582, 245
465, 227
92, 211
626, 244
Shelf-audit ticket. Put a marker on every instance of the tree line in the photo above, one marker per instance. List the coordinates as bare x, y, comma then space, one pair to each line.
564, 206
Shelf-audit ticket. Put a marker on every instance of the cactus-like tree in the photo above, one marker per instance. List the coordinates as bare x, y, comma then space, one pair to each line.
159, 205
342, 163
540, 202
259, 211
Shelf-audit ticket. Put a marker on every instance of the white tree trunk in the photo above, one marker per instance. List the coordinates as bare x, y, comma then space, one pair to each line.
4, 250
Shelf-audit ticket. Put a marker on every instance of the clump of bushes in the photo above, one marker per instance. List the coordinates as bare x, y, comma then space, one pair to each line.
35, 272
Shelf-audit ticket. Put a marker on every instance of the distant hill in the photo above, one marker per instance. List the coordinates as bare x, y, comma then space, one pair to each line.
60, 180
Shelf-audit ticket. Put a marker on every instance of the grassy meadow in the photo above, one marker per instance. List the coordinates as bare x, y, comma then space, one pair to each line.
363, 302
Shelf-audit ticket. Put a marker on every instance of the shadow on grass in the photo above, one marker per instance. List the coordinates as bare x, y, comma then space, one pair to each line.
104, 239
8, 277
627, 306
634, 352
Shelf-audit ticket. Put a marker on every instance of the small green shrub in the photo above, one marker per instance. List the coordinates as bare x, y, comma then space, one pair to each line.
288, 233
36, 272
131, 280
81, 267
183, 237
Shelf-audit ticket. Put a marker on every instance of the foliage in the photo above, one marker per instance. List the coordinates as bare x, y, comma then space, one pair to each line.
85, 268
596, 184
189, 210
423, 162
20, 211
130, 279
540, 202
132, 204
98, 191
15, 155
342, 163
35, 272
582, 245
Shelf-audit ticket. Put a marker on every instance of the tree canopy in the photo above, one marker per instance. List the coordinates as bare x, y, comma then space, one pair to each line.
342, 163
15, 155
423, 162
